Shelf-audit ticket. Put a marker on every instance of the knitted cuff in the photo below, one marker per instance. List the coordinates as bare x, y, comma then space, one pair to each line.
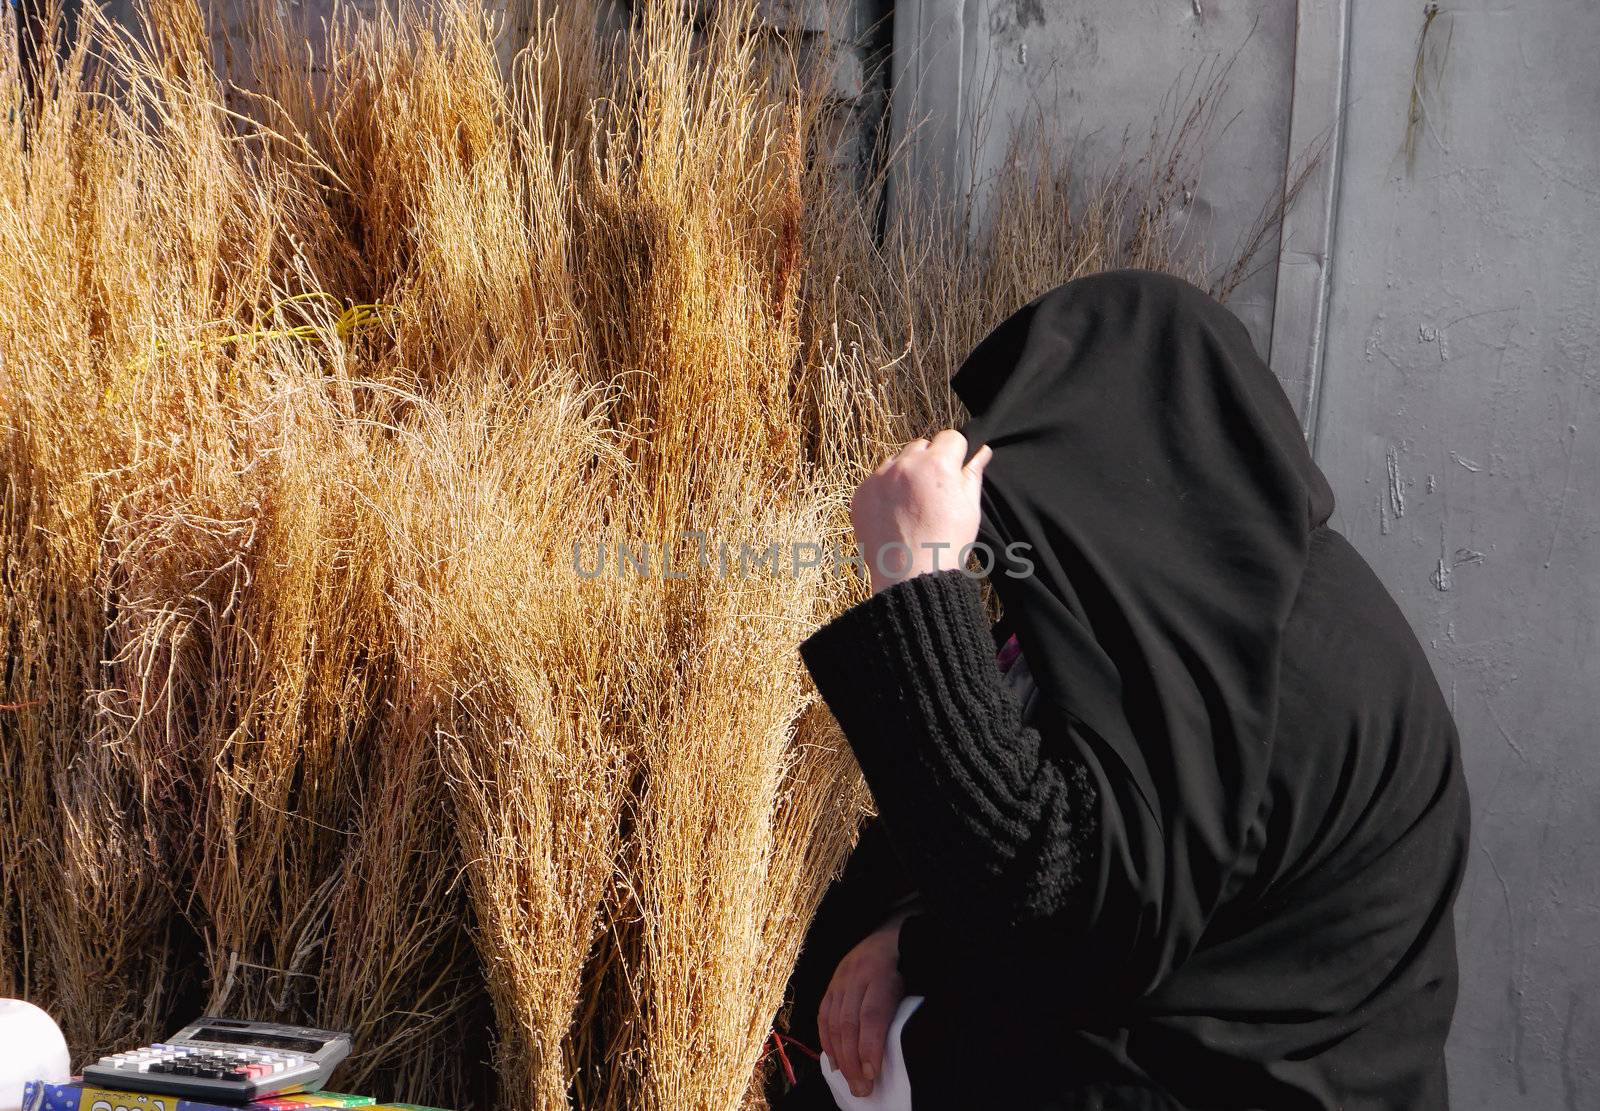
893, 668
910, 674
871, 640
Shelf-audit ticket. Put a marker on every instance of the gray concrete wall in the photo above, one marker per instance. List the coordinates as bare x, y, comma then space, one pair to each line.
1460, 426
1435, 320
967, 71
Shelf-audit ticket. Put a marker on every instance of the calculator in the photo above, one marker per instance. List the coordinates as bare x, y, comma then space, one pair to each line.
226, 1059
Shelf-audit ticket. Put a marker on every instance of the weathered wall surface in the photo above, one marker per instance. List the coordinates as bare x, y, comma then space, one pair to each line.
1455, 397
968, 71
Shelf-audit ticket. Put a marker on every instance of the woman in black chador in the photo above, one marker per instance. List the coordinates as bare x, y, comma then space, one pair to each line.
1191, 838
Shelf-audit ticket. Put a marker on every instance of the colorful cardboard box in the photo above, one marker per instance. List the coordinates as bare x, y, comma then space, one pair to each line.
75, 1096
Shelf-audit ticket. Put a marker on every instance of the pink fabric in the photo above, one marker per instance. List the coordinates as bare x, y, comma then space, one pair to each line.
1009, 651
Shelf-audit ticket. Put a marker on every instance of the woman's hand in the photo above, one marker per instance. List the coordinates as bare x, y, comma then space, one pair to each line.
919, 509
859, 1004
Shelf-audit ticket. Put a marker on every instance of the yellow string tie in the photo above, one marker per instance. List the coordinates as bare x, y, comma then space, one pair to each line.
351, 321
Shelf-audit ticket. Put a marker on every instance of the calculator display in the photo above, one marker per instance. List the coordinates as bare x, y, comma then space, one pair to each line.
271, 1041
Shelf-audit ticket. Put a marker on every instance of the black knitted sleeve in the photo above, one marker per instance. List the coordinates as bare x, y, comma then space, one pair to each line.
993, 828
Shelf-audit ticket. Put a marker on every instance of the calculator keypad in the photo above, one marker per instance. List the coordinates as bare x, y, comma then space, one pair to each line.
204, 1062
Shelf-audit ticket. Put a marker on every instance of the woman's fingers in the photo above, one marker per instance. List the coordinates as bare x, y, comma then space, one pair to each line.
856, 1011
825, 1016
945, 442
847, 1037
980, 459
950, 442
877, 1011
910, 448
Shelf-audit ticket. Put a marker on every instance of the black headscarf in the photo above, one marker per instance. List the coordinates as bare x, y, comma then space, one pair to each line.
1153, 465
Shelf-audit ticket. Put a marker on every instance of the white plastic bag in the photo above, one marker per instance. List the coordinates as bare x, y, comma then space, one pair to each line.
31, 1048
892, 1089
